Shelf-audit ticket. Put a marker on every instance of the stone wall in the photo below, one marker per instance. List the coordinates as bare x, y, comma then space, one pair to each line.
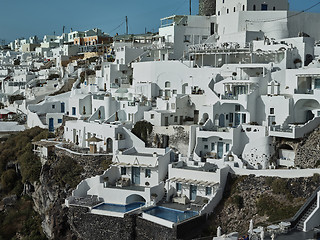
207, 7
146, 230
87, 226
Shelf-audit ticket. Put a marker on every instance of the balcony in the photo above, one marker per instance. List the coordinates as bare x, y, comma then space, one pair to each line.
229, 97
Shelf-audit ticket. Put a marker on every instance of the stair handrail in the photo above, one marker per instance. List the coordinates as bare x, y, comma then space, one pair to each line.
311, 200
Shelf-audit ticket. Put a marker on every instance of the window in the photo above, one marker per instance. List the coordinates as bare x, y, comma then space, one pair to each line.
123, 170
208, 191
204, 139
218, 13
53, 106
274, 8
59, 120
175, 119
174, 91
227, 10
205, 146
231, 117
237, 108
173, 106
152, 116
254, 7
227, 147
187, 38
73, 111
234, 9
148, 172
244, 118
227, 116
167, 84
271, 110
178, 186
243, 7
317, 83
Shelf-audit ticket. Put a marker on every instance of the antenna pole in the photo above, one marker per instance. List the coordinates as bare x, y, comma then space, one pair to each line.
127, 25
190, 6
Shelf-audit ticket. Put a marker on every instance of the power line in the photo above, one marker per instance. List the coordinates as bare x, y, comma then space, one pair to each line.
117, 27
293, 15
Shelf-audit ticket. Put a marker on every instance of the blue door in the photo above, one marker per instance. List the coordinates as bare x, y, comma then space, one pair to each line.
220, 150
237, 119
136, 175
62, 107
193, 192
51, 126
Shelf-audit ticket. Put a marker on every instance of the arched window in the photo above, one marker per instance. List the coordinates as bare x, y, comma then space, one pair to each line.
274, 8
234, 9
167, 84
218, 13
254, 7
227, 10
243, 7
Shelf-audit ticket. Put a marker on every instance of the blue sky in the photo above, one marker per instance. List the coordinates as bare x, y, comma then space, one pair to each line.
20, 18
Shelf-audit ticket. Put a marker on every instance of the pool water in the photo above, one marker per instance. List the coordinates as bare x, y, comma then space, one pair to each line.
171, 215
119, 208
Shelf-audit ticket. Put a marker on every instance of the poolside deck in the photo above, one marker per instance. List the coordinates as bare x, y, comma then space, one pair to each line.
178, 206
88, 201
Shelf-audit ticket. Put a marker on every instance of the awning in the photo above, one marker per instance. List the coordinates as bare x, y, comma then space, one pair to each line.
193, 182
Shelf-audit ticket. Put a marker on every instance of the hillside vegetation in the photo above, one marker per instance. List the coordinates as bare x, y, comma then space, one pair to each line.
18, 168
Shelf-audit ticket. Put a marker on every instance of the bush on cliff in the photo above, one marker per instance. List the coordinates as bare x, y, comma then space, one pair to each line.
67, 171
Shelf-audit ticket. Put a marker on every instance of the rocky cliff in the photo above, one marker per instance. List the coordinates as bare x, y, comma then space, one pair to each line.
266, 200
59, 176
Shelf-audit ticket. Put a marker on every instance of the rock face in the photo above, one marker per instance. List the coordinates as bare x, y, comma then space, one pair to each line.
307, 155
49, 195
246, 196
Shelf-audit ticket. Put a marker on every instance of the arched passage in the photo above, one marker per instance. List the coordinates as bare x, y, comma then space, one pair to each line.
286, 155
109, 145
304, 110
134, 198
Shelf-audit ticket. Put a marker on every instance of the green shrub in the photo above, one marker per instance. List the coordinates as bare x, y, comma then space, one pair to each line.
275, 210
67, 171
9, 179
316, 177
279, 186
238, 201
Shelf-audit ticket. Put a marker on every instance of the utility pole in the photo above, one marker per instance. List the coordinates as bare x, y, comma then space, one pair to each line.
63, 29
190, 6
127, 25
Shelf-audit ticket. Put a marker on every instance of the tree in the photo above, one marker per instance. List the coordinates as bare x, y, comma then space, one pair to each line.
142, 129
8, 180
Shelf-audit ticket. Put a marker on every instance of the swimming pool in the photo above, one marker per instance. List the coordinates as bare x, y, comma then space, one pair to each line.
170, 214
119, 208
